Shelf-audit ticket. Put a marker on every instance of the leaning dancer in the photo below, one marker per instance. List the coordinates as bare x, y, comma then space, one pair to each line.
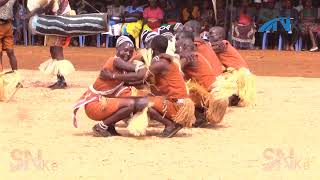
200, 76
236, 66
57, 65
108, 100
172, 105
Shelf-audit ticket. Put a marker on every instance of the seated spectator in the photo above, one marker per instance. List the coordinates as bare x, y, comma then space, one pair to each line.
153, 15
267, 13
133, 20
308, 25
116, 12
289, 38
243, 29
191, 12
172, 13
207, 16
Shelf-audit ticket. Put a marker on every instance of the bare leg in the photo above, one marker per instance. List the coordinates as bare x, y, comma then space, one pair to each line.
313, 41
170, 129
200, 117
12, 59
57, 53
106, 127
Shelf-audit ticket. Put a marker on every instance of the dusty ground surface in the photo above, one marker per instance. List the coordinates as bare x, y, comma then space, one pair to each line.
276, 139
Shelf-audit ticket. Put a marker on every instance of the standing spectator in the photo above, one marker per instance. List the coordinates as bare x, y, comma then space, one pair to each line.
290, 38
153, 15
191, 12
308, 17
6, 32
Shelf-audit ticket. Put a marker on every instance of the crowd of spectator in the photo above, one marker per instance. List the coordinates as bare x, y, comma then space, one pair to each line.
131, 17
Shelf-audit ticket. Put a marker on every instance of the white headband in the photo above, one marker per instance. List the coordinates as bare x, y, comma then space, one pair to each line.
123, 39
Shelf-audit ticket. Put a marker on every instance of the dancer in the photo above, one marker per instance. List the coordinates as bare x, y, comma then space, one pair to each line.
108, 100
200, 76
245, 92
57, 65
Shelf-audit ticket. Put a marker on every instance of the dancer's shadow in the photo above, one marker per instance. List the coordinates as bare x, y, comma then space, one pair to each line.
152, 133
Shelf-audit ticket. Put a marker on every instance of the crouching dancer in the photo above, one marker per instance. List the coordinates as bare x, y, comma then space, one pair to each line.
172, 106
108, 100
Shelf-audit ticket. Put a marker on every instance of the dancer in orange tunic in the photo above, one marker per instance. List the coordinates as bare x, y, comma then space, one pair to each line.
200, 76
235, 65
108, 100
171, 103
203, 47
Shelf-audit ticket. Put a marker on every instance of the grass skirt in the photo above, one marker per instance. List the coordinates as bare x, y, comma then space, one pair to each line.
55, 67
8, 84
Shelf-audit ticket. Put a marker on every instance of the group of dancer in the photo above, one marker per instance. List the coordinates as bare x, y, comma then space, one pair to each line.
178, 80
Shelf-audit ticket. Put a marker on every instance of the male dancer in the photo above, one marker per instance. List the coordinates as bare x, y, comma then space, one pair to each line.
171, 104
232, 60
108, 100
57, 65
200, 76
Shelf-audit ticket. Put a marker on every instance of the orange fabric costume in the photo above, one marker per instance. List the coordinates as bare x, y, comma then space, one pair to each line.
172, 89
205, 50
202, 72
231, 57
100, 100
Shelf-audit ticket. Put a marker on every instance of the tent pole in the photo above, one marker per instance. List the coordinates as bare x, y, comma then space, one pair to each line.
231, 15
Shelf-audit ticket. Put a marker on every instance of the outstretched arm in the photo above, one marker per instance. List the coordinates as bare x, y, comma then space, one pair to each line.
131, 76
40, 10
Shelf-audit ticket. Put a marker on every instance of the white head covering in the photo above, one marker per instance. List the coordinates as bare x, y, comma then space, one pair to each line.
123, 39
148, 35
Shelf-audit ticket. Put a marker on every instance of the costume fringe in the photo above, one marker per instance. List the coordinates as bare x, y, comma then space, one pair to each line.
147, 56
225, 84
246, 87
55, 67
185, 115
138, 124
216, 106
8, 84
216, 110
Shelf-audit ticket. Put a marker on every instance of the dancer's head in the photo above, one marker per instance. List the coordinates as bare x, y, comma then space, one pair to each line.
159, 45
124, 48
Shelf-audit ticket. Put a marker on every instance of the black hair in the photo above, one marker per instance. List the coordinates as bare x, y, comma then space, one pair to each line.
185, 35
159, 43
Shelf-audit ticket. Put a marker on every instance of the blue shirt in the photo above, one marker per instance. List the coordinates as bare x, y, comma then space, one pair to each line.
130, 9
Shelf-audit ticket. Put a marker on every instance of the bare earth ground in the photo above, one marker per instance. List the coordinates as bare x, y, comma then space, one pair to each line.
276, 139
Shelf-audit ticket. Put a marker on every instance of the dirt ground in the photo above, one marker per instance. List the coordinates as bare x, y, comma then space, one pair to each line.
275, 139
